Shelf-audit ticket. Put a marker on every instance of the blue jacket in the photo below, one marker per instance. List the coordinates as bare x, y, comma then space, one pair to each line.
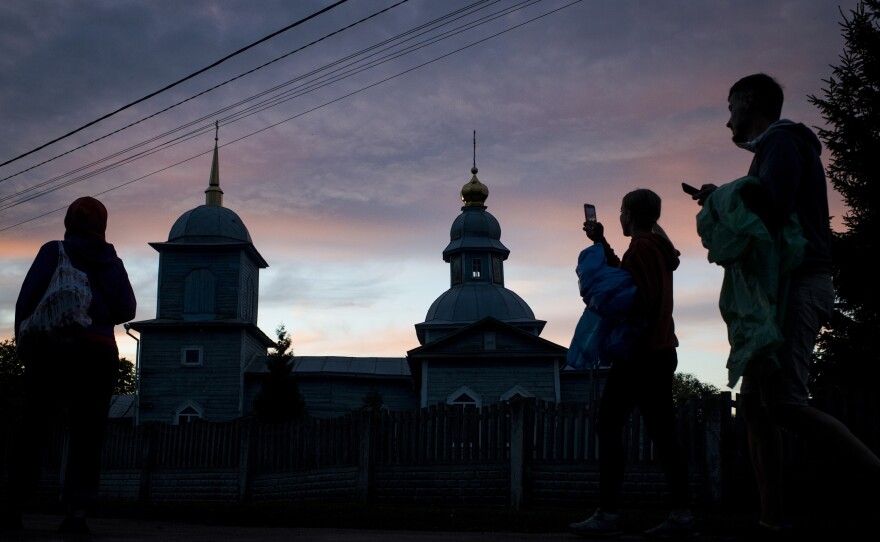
604, 331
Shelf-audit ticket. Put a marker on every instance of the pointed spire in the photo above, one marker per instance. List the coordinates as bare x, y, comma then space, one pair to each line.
474, 169
474, 193
213, 194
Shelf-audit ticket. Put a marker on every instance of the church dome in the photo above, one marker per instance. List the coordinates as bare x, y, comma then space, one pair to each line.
209, 224
475, 228
474, 301
476, 256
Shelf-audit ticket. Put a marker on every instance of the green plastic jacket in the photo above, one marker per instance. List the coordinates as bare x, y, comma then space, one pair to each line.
756, 266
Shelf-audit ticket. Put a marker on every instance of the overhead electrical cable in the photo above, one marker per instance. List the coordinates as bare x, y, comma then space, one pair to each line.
190, 76
248, 135
215, 87
455, 15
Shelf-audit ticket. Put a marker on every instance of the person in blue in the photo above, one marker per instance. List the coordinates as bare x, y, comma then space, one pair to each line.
642, 375
774, 390
80, 376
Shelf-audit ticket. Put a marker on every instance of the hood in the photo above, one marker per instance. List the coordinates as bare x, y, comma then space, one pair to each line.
85, 225
663, 245
798, 129
86, 217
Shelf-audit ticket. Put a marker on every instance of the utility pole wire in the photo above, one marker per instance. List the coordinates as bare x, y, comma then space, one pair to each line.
190, 76
232, 118
157, 113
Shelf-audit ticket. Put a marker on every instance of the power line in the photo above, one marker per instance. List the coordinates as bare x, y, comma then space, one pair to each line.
190, 76
290, 94
198, 131
157, 113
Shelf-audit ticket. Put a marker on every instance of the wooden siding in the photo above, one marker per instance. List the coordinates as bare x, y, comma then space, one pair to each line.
330, 397
174, 268
490, 378
505, 342
166, 384
249, 289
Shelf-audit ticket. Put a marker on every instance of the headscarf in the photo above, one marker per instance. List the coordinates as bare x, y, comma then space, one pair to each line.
86, 217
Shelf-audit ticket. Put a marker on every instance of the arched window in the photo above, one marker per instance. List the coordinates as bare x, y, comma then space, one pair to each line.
187, 412
198, 295
477, 268
516, 391
464, 396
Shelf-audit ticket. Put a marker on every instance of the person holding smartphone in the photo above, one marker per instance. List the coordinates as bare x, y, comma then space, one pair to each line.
792, 181
642, 377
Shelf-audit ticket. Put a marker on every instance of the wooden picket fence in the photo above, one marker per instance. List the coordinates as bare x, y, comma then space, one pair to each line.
521, 440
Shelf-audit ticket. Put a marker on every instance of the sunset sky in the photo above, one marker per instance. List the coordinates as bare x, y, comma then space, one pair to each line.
345, 152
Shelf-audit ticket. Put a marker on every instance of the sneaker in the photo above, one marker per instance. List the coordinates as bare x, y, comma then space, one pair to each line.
677, 525
74, 524
765, 531
10, 521
600, 525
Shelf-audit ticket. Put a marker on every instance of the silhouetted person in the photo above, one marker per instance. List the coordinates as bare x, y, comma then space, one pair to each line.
80, 376
643, 377
792, 180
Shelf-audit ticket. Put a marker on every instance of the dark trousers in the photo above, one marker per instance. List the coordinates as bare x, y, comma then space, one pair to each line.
73, 384
643, 380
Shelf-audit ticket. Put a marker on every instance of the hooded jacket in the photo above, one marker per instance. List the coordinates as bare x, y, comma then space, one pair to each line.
113, 299
650, 259
793, 181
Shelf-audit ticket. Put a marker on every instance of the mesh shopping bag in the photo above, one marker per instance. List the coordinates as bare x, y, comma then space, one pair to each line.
63, 312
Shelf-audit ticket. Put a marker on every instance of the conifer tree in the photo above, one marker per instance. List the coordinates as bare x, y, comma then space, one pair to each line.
279, 400
848, 353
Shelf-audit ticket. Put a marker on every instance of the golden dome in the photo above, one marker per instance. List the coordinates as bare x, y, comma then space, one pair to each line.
474, 193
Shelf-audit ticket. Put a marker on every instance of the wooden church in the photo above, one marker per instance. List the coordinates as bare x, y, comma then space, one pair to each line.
204, 357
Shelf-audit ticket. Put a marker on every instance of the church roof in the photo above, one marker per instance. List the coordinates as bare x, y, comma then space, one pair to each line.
476, 234
474, 301
209, 224
379, 367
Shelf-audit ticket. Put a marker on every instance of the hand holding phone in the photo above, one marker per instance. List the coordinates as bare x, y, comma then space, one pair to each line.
691, 190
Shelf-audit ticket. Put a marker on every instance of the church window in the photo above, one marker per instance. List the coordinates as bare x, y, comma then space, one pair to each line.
198, 293
456, 270
516, 392
477, 268
192, 356
489, 341
497, 270
188, 412
464, 396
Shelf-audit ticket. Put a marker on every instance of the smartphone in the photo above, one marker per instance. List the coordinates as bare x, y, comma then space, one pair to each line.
689, 189
589, 212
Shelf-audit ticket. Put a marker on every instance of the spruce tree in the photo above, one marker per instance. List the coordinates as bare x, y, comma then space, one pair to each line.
279, 399
848, 353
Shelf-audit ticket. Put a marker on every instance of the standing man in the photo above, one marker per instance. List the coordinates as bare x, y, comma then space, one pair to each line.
792, 180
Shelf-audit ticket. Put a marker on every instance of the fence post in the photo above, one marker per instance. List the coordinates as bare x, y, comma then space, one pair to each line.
517, 452
712, 459
365, 456
148, 454
244, 459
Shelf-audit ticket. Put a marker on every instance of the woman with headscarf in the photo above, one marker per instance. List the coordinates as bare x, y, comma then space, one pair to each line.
80, 376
